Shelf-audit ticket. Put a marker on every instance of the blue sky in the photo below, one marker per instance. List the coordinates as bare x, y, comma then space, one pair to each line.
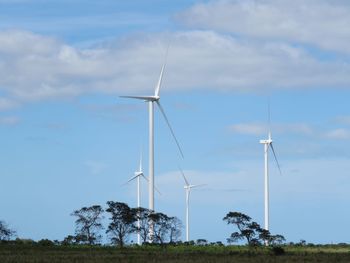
69, 141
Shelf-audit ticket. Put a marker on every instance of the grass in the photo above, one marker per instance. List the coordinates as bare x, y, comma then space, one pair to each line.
14, 253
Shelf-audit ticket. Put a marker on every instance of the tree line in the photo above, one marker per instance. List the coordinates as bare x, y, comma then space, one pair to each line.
124, 221
122, 224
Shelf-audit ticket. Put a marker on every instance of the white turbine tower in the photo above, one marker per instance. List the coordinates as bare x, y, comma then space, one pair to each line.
138, 174
188, 188
267, 145
151, 100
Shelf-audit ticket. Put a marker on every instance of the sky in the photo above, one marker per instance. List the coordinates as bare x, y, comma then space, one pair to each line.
68, 140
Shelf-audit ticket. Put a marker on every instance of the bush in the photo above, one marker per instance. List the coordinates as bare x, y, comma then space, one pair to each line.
20, 241
45, 243
277, 251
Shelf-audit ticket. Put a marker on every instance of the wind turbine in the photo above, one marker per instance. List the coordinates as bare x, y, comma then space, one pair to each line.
268, 145
188, 188
138, 174
151, 100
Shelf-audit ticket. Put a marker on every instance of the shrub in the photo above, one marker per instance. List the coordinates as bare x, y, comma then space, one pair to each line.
45, 243
277, 251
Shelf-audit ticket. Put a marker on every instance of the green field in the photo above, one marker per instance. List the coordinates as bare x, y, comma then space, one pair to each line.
33, 253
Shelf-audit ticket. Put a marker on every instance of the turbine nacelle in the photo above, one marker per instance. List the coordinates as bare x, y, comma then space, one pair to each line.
144, 98
138, 174
268, 141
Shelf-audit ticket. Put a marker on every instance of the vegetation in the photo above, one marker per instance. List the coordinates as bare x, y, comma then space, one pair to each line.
88, 224
11, 251
5, 232
251, 231
85, 245
122, 223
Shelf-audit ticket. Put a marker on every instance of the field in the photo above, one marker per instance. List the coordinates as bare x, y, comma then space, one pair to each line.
13, 253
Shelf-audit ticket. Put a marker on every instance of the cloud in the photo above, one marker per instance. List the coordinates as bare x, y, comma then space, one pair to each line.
322, 23
343, 120
9, 120
249, 128
341, 134
96, 167
36, 67
282, 128
7, 104
227, 183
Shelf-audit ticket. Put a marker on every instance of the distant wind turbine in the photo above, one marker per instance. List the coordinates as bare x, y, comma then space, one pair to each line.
268, 144
151, 100
138, 174
188, 188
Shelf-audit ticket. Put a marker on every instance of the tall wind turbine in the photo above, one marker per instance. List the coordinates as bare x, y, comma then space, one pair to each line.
138, 174
268, 145
151, 100
188, 188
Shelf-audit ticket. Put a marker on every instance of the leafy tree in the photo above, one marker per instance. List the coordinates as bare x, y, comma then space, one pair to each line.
5, 232
88, 224
68, 240
142, 214
122, 223
277, 240
161, 226
245, 227
175, 226
252, 232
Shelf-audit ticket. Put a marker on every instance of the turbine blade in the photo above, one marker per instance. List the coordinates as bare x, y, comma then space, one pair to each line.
155, 188
159, 84
156, 92
183, 175
274, 154
269, 117
171, 129
147, 98
131, 179
140, 162
197, 185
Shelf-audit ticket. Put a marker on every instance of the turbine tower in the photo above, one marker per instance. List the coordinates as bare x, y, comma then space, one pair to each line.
268, 145
188, 188
138, 174
151, 100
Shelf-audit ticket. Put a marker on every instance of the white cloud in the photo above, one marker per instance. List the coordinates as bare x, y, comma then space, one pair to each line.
96, 167
260, 129
7, 104
34, 67
322, 23
249, 128
9, 120
343, 120
341, 134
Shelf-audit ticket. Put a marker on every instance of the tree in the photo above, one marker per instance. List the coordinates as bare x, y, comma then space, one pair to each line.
122, 223
161, 226
68, 240
88, 224
252, 232
5, 232
175, 226
245, 227
142, 214
277, 240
